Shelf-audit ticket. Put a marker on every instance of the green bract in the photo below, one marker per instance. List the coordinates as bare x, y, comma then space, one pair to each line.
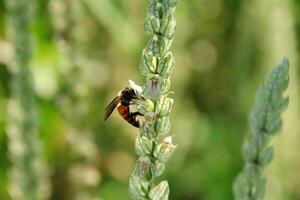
143, 146
160, 192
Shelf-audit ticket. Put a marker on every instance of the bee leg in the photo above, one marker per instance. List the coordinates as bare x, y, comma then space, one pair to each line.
135, 122
136, 114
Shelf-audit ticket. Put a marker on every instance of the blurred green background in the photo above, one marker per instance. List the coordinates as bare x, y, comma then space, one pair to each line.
84, 52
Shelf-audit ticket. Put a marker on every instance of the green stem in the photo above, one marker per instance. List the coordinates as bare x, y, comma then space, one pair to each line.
28, 178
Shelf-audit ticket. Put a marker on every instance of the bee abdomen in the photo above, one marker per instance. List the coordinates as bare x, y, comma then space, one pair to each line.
123, 111
129, 117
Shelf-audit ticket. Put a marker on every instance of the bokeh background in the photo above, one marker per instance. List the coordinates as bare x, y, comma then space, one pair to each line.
84, 52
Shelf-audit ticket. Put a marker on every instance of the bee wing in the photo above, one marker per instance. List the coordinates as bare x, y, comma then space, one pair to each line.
110, 108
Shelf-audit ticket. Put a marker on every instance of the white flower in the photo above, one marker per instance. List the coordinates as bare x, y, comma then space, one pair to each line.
168, 144
168, 140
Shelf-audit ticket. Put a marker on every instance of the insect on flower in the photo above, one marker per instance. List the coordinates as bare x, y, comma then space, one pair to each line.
123, 101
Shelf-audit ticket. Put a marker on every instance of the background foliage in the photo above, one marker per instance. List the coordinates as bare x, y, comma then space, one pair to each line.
86, 50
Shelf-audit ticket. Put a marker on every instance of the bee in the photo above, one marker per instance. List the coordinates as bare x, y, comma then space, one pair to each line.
123, 101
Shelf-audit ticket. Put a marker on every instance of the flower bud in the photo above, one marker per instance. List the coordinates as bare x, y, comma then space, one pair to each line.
169, 4
164, 150
168, 27
139, 184
166, 44
152, 24
144, 106
143, 146
167, 107
157, 168
154, 8
166, 66
147, 63
162, 125
147, 130
161, 191
150, 118
143, 167
164, 106
138, 187
155, 46
166, 85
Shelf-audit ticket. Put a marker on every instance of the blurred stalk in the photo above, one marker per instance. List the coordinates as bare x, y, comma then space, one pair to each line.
265, 122
276, 38
68, 24
28, 177
156, 65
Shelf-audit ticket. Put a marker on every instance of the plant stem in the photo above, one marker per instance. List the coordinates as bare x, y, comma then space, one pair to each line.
157, 63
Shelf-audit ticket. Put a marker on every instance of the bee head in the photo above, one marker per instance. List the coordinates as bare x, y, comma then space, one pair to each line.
137, 90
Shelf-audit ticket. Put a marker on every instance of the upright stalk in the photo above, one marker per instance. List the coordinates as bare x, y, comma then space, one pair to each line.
156, 65
75, 91
27, 174
265, 122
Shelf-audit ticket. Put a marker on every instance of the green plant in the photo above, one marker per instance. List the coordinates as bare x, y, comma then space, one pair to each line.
28, 178
75, 90
265, 122
156, 65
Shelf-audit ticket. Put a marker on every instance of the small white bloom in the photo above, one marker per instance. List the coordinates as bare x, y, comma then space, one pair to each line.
168, 140
167, 143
